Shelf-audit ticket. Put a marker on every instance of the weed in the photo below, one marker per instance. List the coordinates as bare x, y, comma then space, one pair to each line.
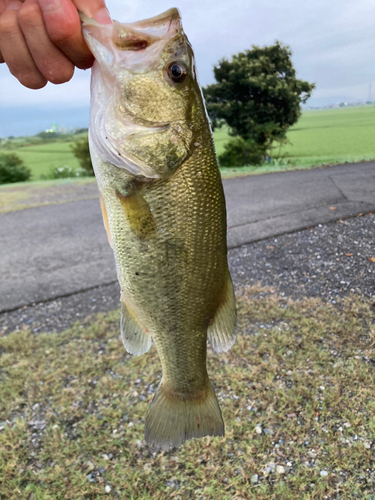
296, 393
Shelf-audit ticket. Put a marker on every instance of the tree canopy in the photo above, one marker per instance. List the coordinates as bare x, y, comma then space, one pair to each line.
257, 94
13, 169
81, 151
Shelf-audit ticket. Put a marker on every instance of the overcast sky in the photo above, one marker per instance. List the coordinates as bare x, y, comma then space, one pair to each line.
333, 44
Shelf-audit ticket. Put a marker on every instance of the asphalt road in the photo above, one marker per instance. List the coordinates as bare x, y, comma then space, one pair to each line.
60, 250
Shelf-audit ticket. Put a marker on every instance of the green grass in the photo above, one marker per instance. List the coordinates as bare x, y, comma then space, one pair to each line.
320, 137
41, 156
296, 393
333, 133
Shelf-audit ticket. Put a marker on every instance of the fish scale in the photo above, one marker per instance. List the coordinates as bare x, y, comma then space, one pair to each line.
164, 210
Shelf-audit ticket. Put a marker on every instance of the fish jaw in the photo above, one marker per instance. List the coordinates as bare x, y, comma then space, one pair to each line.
140, 121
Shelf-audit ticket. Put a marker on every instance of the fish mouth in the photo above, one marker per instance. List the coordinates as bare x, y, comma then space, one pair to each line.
117, 43
141, 34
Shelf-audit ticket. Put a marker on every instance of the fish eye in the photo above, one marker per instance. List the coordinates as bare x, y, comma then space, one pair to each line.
177, 71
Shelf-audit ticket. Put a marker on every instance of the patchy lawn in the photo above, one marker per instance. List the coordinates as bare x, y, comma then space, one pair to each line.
297, 394
21, 195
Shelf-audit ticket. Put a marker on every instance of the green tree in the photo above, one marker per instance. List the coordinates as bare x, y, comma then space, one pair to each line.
49, 135
257, 95
12, 169
82, 153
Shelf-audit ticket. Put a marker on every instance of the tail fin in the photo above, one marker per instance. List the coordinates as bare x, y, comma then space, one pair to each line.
172, 420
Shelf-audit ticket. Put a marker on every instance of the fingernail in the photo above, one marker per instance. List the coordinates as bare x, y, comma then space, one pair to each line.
50, 5
103, 17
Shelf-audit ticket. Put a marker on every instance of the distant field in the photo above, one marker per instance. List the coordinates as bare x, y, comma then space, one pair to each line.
324, 136
320, 137
42, 158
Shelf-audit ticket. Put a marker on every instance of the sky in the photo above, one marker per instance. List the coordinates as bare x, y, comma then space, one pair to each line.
333, 45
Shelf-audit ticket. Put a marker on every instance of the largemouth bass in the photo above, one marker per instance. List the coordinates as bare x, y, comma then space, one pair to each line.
164, 211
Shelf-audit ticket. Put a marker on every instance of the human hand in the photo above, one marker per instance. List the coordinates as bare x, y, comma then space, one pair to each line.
41, 40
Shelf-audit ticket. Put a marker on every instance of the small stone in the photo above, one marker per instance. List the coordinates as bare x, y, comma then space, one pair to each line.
347, 425
258, 429
56, 426
323, 473
108, 489
289, 464
105, 457
280, 469
367, 446
254, 478
322, 387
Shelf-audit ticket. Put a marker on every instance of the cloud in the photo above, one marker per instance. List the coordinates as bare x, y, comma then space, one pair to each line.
75, 92
332, 43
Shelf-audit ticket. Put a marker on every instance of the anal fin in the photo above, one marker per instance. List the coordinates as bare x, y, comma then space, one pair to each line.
221, 332
135, 338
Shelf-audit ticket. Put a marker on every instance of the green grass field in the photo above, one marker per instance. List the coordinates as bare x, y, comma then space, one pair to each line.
296, 392
41, 156
343, 134
41, 159
320, 137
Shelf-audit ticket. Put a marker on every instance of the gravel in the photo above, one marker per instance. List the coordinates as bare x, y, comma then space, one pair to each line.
327, 261
59, 314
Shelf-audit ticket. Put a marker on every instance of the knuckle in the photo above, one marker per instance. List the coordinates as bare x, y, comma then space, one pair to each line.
7, 25
62, 35
29, 15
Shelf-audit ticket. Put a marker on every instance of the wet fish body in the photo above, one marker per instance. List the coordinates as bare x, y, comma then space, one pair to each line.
164, 211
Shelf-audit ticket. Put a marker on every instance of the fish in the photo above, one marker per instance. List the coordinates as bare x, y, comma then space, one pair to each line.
163, 208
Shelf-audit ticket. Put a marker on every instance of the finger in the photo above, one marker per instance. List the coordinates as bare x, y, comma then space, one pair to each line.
64, 28
51, 62
15, 51
96, 9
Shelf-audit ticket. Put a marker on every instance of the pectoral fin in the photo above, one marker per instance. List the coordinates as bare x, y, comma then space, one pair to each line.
221, 331
134, 336
138, 214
